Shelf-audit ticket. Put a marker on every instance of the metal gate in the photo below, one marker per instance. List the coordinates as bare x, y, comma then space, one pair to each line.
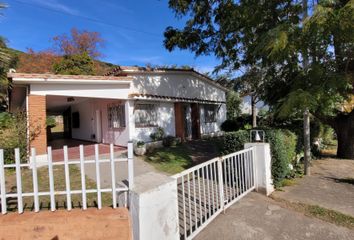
209, 188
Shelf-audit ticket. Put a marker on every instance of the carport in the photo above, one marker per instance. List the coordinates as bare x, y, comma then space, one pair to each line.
85, 103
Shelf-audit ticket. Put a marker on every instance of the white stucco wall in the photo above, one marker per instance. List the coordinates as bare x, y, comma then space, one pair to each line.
86, 115
177, 85
165, 119
214, 127
87, 111
101, 90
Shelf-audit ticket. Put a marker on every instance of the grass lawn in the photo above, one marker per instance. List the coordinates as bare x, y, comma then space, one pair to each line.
170, 160
59, 185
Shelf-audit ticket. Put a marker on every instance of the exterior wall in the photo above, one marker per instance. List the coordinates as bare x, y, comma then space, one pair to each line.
37, 123
87, 116
87, 111
176, 85
212, 128
166, 120
113, 91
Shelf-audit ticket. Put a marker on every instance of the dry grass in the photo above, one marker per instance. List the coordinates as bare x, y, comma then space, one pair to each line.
316, 211
59, 185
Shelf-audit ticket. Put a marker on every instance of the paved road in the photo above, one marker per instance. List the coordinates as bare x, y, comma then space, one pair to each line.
331, 185
259, 217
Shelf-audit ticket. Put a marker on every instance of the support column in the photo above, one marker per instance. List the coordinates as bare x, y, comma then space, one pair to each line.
37, 128
263, 167
129, 119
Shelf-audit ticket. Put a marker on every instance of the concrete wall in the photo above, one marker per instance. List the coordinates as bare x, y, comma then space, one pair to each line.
154, 207
263, 167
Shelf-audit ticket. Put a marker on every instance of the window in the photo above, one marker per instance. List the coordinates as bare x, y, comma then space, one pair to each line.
145, 115
116, 116
210, 113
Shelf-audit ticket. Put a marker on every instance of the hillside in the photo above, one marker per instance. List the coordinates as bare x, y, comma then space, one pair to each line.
31, 62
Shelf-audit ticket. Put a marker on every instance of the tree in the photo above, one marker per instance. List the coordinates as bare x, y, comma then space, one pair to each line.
79, 42
272, 35
233, 103
37, 62
78, 64
251, 84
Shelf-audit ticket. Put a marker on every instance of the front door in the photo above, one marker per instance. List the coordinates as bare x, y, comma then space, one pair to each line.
195, 121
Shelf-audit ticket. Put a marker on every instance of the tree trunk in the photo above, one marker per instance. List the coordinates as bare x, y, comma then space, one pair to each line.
307, 144
344, 128
254, 111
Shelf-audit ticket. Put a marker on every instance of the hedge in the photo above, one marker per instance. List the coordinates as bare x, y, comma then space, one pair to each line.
283, 149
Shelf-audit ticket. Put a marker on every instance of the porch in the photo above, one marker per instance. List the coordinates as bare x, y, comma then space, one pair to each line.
74, 149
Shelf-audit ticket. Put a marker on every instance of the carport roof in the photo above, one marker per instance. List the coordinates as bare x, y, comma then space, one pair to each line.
44, 77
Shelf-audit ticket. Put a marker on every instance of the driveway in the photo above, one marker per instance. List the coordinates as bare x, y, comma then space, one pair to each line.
331, 185
121, 168
259, 217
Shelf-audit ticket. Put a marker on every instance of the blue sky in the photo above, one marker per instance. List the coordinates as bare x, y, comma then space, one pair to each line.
133, 29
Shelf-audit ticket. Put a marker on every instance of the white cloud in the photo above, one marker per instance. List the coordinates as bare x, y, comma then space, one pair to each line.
55, 5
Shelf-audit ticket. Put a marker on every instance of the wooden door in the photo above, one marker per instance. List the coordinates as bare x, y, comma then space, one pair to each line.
195, 121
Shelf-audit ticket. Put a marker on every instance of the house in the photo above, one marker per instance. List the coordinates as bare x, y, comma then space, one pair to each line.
127, 104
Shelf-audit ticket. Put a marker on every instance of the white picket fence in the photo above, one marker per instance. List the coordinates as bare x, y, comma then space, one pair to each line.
209, 188
52, 193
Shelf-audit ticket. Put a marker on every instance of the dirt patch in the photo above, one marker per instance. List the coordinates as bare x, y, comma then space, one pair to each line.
106, 223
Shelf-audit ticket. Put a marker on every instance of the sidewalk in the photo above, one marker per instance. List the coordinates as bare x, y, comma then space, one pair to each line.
259, 217
331, 185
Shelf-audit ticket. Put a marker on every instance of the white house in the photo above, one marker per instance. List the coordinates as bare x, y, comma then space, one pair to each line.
127, 104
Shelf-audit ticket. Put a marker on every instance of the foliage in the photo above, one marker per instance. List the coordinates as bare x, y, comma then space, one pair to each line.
306, 63
78, 43
13, 134
80, 64
234, 141
282, 144
37, 62
50, 121
233, 105
140, 144
283, 150
237, 124
158, 135
170, 141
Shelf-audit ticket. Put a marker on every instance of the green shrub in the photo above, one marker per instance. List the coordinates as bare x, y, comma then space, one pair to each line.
283, 149
234, 141
158, 135
13, 134
50, 121
170, 141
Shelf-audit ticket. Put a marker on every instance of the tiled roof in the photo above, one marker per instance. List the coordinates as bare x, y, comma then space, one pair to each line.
169, 98
57, 76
